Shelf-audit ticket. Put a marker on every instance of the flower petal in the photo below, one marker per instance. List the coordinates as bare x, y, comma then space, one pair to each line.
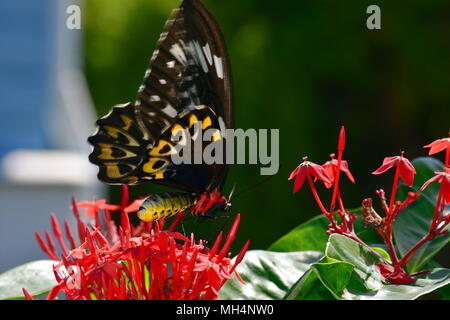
388, 163
319, 172
299, 180
438, 145
407, 171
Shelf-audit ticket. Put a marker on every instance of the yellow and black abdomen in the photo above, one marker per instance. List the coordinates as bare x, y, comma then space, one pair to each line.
164, 205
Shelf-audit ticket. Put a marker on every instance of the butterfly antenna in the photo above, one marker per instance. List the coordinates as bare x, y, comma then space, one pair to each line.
253, 186
232, 192
182, 228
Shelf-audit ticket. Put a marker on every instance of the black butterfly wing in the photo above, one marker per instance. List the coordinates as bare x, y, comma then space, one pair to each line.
188, 69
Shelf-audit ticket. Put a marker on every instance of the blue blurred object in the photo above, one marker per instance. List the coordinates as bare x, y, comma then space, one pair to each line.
27, 33
47, 114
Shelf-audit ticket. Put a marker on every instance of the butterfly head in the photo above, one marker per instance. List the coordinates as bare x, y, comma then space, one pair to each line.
208, 203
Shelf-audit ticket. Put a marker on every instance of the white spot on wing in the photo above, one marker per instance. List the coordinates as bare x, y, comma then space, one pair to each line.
170, 111
219, 66
207, 52
178, 53
155, 54
200, 57
162, 81
163, 35
171, 64
155, 98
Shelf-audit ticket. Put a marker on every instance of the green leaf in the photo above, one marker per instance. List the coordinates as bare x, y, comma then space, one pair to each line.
444, 292
413, 222
37, 277
268, 275
382, 252
368, 283
326, 280
310, 235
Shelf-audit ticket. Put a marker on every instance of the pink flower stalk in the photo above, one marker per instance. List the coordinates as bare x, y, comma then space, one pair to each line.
137, 262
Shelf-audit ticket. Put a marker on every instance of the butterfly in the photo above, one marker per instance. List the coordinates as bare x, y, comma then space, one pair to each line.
186, 86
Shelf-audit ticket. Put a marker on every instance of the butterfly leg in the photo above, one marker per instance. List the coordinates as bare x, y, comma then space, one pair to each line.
214, 216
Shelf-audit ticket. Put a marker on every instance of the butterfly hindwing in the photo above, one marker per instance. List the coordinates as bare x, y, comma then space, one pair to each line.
125, 155
119, 144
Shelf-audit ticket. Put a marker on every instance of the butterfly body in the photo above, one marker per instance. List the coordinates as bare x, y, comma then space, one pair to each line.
186, 88
165, 205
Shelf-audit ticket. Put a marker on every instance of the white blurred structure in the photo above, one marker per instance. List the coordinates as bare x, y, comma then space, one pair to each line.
47, 114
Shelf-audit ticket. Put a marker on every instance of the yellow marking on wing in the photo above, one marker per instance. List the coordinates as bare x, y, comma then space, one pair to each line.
156, 151
175, 128
192, 120
131, 179
114, 132
127, 120
107, 150
181, 140
148, 166
159, 175
206, 122
113, 171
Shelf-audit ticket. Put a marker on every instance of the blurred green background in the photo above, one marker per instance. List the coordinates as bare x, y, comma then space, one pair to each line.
306, 68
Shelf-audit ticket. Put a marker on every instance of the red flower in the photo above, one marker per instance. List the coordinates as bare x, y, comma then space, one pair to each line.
444, 179
305, 169
331, 170
138, 262
405, 168
93, 207
438, 145
394, 277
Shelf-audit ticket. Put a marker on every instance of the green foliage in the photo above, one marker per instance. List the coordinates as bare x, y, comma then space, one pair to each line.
37, 277
325, 280
347, 271
310, 235
367, 282
268, 275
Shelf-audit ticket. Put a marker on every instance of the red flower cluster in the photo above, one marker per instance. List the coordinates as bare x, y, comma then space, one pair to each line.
329, 174
136, 262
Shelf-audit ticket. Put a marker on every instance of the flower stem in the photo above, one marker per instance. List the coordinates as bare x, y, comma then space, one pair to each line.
341, 147
390, 245
394, 191
316, 197
405, 259
336, 182
437, 209
431, 233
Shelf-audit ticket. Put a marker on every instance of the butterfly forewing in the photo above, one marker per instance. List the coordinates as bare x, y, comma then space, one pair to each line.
188, 68
188, 77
